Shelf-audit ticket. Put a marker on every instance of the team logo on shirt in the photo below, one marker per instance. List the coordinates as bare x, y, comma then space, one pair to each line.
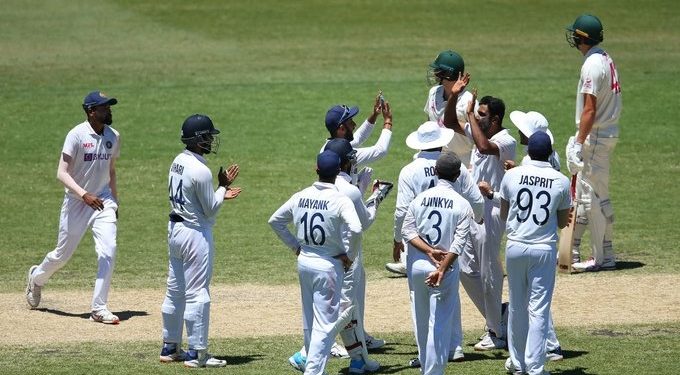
109, 144
90, 156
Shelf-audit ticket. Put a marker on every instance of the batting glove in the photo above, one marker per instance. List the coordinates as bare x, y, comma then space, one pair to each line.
574, 156
380, 191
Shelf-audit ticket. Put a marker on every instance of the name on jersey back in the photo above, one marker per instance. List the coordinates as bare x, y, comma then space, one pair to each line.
177, 168
437, 202
314, 204
536, 181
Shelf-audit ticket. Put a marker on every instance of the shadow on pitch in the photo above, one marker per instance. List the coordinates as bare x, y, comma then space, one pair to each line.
572, 371
122, 315
235, 360
627, 265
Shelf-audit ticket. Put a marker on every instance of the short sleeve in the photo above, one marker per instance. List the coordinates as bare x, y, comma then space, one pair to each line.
592, 75
70, 144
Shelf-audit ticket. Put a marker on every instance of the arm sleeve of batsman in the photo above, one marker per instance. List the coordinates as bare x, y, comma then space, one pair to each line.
210, 200
367, 155
362, 133
279, 223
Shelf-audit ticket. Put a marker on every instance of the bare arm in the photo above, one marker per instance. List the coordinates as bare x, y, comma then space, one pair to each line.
450, 116
587, 117
562, 217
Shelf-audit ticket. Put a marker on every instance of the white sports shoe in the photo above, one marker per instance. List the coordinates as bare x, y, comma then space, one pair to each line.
339, 351
555, 354
457, 355
587, 266
33, 292
104, 316
397, 267
490, 342
373, 343
510, 367
204, 359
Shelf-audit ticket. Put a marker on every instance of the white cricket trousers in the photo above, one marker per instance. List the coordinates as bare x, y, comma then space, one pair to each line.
320, 288
594, 208
531, 281
75, 218
484, 281
353, 294
432, 310
187, 300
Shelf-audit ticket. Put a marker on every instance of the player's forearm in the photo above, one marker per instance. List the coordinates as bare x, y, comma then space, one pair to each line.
367, 155
67, 180
362, 133
445, 264
585, 125
398, 226
451, 117
279, 223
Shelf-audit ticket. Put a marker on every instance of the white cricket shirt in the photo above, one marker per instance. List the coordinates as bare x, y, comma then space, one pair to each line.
535, 192
441, 217
319, 214
600, 78
190, 190
91, 156
366, 214
490, 168
435, 107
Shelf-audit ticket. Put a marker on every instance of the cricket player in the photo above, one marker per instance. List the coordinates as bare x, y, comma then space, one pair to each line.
350, 324
87, 170
416, 177
443, 74
340, 124
598, 109
535, 201
193, 209
529, 123
482, 275
437, 228
320, 214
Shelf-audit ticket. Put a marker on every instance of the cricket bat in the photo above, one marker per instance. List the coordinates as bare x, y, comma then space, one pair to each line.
567, 236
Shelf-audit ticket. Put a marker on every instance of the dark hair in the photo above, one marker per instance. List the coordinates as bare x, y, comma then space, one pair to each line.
496, 107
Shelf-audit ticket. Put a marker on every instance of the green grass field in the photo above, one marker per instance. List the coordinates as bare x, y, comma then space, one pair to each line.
266, 72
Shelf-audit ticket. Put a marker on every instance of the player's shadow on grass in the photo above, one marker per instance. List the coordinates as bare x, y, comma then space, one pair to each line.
122, 315
628, 265
572, 371
569, 354
235, 360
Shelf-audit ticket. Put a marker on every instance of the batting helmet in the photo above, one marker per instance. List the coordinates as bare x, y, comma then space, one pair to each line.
587, 29
343, 148
448, 64
198, 130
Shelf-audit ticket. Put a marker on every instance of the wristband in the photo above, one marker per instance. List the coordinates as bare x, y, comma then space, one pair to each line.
490, 195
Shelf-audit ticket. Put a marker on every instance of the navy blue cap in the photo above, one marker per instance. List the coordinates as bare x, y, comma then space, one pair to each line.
342, 147
339, 114
540, 146
96, 98
328, 164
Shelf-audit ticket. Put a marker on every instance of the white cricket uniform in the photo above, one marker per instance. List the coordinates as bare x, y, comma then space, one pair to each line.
366, 155
484, 281
599, 78
441, 217
435, 107
354, 282
418, 176
194, 207
320, 214
535, 193
551, 342
91, 156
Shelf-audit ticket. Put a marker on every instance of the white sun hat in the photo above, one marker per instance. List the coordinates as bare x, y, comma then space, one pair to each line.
530, 123
429, 135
